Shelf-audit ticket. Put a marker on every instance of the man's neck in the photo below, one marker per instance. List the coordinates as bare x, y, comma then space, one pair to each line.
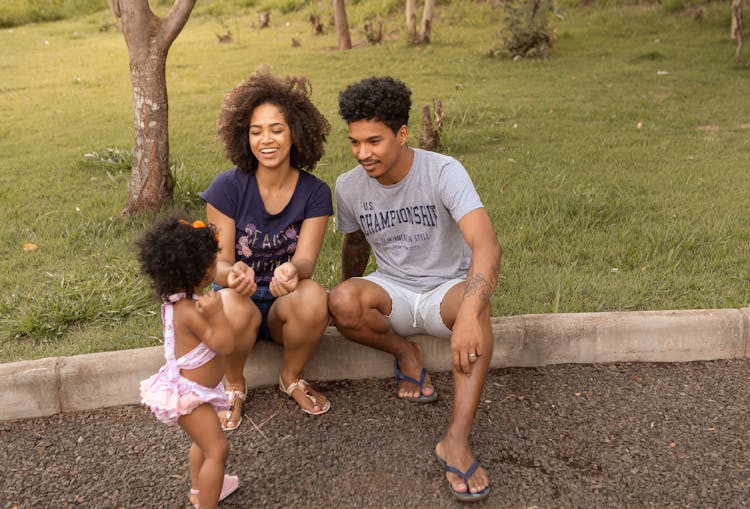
401, 168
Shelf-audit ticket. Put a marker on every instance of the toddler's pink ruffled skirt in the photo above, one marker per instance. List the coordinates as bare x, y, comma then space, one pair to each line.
171, 399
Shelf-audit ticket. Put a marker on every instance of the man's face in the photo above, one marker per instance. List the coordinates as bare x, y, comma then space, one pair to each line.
379, 151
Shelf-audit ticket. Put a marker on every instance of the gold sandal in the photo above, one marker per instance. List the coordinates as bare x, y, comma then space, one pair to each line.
302, 385
233, 395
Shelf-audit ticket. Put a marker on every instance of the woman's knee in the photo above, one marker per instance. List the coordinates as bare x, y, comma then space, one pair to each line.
309, 303
243, 315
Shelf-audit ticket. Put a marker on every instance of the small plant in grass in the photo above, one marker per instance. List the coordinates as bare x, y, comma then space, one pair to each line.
527, 30
115, 160
187, 185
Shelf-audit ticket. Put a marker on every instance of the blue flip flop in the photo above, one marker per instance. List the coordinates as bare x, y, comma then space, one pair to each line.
466, 496
422, 397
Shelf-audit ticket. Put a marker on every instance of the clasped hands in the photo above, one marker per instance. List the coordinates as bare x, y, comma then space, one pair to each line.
285, 279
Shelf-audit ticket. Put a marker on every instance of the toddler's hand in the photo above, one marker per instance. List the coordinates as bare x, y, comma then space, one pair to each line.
242, 279
285, 280
209, 304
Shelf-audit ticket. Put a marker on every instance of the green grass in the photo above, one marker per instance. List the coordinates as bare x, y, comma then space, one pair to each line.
19, 12
594, 213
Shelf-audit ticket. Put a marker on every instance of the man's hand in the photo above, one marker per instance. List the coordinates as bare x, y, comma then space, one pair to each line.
242, 279
472, 330
466, 343
285, 280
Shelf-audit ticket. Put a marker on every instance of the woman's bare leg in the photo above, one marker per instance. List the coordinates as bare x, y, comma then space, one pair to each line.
244, 317
297, 321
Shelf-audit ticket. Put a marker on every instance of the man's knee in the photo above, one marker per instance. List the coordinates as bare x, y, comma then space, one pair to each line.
344, 305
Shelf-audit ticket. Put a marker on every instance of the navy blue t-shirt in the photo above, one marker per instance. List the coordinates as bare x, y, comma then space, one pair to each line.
262, 240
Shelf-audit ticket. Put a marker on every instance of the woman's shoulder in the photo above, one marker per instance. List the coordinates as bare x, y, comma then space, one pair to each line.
234, 176
229, 183
307, 177
309, 181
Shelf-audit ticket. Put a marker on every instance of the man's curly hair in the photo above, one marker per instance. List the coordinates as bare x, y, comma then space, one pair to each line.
176, 255
377, 98
291, 95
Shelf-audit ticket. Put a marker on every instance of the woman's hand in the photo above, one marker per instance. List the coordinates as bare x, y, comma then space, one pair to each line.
241, 279
285, 280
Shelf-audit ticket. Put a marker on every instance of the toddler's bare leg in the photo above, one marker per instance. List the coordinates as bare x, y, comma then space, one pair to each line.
203, 427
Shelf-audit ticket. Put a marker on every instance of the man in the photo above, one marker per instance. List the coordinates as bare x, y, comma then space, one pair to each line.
438, 261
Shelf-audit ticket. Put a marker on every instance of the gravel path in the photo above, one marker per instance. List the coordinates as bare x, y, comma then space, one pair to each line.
618, 435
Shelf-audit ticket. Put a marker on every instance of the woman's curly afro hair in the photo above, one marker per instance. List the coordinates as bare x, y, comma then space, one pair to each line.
291, 95
176, 254
378, 98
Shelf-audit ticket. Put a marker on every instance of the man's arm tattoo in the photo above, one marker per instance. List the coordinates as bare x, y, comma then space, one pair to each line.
478, 283
355, 253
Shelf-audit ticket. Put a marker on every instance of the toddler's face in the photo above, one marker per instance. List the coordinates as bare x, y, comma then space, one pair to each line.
210, 274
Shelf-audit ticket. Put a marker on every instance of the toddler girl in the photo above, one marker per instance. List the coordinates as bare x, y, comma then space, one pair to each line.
180, 258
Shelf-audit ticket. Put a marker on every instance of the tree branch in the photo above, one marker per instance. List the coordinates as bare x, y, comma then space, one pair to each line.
176, 19
114, 7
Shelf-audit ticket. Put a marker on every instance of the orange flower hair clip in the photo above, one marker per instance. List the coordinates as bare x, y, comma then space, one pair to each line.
195, 224
198, 224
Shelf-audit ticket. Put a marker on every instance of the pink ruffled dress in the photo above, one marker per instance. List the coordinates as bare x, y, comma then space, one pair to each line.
168, 394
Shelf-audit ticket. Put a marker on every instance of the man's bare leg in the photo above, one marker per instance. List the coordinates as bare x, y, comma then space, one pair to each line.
359, 309
454, 448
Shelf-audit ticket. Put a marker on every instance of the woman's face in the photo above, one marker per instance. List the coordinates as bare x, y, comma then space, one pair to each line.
270, 137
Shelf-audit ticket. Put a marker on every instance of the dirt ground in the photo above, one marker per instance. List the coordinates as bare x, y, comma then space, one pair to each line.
568, 436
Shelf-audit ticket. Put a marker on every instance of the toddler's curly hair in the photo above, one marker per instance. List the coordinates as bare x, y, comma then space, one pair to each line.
291, 95
377, 98
176, 254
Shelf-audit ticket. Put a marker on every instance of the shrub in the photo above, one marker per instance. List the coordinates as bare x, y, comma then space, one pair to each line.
672, 6
527, 31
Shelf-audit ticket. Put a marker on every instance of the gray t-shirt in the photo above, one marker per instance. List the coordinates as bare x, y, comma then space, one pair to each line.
412, 225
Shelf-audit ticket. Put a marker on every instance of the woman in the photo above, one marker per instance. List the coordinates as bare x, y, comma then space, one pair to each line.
271, 215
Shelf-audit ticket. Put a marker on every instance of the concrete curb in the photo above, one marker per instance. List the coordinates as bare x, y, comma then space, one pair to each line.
85, 382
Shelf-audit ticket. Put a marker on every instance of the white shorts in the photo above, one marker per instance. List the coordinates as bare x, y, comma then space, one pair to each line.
415, 313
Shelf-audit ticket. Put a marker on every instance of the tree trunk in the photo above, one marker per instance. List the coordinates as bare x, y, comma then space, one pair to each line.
317, 26
430, 139
738, 28
264, 19
411, 20
424, 32
148, 39
342, 26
